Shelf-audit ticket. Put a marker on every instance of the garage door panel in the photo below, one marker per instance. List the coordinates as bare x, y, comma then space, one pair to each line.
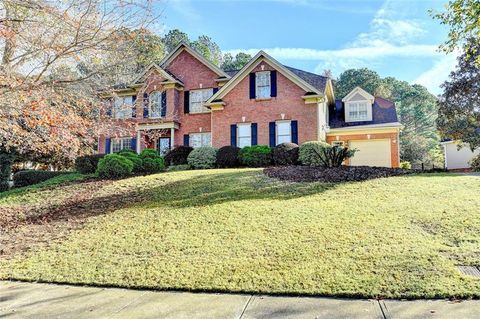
371, 153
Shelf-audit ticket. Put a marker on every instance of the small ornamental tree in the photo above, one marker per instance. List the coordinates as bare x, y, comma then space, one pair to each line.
178, 155
317, 153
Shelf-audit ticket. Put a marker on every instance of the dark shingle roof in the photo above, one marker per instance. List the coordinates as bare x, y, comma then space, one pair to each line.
383, 111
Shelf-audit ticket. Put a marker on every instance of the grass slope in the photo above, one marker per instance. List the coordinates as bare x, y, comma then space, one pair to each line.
237, 230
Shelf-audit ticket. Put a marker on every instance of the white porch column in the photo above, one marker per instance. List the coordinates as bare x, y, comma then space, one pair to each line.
172, 137
139, 140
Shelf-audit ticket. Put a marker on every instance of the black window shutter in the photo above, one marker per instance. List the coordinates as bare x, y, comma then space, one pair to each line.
273, 83
186, 140
186, 102
233, 135
271, 130
108, 143
133, 144
252, 86
145, 105
134, 106
215, 90
163, 111
294, 126
254, 133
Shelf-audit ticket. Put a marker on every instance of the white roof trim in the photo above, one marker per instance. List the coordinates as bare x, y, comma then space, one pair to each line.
157, 68
362, 127
362, 92
183, 46
259, 57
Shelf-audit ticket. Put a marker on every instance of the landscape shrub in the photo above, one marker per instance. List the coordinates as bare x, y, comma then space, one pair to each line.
285, 154
114, 166
6, 161
135, 159
149, 153
178, 156
87, 164
203, 157
405, 165
4, 186
475, 163
31, 177
153, 165
316, 153
176, 168
256, 156
228, 156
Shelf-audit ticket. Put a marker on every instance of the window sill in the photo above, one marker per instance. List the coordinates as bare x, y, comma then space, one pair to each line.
195, 113
259, 99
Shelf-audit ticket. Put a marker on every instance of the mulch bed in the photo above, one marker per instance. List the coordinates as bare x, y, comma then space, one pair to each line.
332, 175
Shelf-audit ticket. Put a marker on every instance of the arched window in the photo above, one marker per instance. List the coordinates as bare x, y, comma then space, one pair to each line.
156, 104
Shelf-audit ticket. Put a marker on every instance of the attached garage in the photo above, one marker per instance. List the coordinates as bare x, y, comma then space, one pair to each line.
371, 153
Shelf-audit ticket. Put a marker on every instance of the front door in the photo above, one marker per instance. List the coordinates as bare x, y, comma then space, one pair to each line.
163, 145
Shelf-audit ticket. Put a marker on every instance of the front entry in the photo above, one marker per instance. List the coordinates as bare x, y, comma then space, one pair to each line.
163, 145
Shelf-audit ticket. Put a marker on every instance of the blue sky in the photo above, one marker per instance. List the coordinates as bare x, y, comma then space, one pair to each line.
393, 37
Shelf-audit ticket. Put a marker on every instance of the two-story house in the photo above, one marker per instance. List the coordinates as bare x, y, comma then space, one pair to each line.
186, 100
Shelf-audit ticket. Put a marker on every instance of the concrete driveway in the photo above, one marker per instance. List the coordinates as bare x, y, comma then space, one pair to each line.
32, 300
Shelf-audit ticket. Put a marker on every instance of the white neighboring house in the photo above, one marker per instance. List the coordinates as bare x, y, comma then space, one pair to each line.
458, 158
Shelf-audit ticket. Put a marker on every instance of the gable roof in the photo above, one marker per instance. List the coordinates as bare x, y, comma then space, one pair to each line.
167, 75
259, 57
383, 112
362, 92
182, 46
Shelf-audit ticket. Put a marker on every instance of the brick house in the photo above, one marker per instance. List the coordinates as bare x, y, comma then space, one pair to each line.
186, 100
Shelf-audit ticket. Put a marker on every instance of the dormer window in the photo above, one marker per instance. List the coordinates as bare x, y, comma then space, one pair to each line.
263, 85
357, 111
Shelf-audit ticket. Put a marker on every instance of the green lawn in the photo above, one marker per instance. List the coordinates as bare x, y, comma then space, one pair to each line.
237, 230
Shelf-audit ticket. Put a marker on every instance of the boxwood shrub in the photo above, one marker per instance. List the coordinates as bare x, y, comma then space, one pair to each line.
256, 156
87, 164
134, 158
31, 177
285, 154
228, 156
203, 157
114, 166
178, 155
317, 153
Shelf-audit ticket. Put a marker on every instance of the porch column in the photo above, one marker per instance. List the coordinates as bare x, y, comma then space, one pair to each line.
139, 140
172, 137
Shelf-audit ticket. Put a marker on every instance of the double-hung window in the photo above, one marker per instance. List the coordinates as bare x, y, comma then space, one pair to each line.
284, 132
263, 88
357, 111
122, 107
198, 98
155, 104
119, 144
244, 135
200, 139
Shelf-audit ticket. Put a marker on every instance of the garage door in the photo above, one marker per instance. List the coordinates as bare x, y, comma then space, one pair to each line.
371, 153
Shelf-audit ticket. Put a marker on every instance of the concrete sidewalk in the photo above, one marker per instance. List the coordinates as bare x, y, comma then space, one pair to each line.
30, 300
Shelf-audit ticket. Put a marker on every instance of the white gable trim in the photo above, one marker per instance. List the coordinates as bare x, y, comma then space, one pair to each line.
159, 70
257, 59
362, 92
183, 46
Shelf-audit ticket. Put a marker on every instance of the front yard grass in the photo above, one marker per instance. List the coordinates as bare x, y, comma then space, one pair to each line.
240, 231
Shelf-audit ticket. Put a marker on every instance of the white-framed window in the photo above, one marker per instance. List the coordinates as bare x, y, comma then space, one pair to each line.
122, 107
200, 139
338, 143
197, 98
244, 135
357, 111
283, 132
263, 87
118, 144
155, 104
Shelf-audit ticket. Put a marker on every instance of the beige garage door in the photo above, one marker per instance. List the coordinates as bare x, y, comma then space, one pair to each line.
371, 153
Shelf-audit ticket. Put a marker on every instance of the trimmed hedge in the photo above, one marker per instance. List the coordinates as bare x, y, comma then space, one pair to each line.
309, 153
87, 164
31, 177
256, 156
149, 153
114, 166
228, 157
203, 157
475, 163
178, 155
285, 154
134, 158
153, 165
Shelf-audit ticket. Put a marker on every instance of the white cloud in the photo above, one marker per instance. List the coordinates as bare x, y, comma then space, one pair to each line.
437, 74
185, 8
